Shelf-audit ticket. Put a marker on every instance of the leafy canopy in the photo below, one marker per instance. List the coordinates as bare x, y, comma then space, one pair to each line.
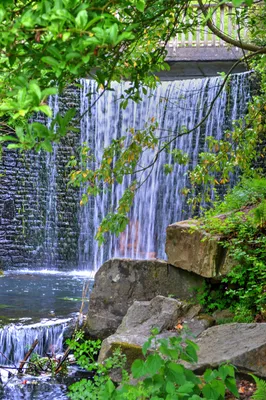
49, 44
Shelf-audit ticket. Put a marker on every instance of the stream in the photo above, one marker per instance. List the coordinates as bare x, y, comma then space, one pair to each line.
43, 305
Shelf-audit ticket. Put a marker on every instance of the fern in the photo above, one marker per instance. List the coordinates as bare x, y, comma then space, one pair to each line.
260, 393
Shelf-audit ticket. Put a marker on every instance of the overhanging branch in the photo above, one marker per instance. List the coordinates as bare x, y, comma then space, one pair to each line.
223, 36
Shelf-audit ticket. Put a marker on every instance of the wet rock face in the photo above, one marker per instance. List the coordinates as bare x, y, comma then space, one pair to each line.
195, 251
120, 282
38, 211
9, 210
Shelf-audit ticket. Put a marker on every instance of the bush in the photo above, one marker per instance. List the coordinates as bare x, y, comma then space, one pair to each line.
243, 231
159, 376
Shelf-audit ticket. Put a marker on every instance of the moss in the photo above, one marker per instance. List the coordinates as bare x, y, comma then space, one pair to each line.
131, 351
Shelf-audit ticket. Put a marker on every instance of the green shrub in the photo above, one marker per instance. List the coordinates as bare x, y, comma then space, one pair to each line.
243, 235
159, 376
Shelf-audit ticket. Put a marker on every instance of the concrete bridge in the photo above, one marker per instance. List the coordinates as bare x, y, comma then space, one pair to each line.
201, 53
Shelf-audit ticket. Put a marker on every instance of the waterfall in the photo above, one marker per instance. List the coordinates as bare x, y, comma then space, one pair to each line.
51, 216
17, 339
41, 221
159, 202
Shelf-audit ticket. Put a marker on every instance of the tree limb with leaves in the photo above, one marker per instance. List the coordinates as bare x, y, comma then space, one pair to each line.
47, 45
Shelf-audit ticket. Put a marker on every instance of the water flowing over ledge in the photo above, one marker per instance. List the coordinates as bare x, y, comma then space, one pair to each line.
16, 339
41, 222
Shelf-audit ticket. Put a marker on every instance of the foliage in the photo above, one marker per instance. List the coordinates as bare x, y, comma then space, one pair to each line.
85, 351
39, 365
260, 393
242, 229
48, 44
216, 166
159, 376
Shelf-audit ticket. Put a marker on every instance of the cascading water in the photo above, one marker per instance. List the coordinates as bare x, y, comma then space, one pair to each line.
159, 202
42, 211
51, 216
16, 340
42, 223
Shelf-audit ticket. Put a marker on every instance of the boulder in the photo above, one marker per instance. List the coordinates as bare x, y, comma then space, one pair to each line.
120, 282
196, 251
243, 345
161, 313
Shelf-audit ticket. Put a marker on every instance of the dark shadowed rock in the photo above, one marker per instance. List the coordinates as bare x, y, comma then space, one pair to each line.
119, 282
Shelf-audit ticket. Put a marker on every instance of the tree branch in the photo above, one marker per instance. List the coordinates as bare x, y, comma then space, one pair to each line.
223, 36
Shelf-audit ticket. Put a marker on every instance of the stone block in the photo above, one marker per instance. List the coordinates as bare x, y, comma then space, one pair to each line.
196, 251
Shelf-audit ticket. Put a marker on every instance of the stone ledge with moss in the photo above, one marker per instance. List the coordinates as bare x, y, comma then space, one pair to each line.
196, 251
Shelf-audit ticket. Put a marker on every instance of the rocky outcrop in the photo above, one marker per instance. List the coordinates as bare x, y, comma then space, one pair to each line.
162, 313
243, 345
119, 282
196, 251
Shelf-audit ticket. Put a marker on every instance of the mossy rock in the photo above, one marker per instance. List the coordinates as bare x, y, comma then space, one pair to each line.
132, 353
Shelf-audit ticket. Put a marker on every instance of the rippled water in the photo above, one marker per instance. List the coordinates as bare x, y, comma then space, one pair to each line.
36, 304
31, 295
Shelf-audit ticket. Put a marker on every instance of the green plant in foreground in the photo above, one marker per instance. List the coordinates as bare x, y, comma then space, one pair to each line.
260, 393
159, 376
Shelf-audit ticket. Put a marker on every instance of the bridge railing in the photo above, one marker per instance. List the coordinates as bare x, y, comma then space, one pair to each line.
223, 17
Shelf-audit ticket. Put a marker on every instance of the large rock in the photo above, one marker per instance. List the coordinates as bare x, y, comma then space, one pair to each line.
243, 345
196, 251
161, 313
119, 282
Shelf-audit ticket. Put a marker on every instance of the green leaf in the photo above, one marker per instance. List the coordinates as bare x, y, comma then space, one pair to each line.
226, 370
40, 129
47, 146
214, 390
140, 5
187, 388
50, 60
72, 54
113, 33
34, 88
14, 146
175, 373
170, 387
46, 110
153, 363
237, 3
7, 138
54, 52
230, 383
20, 133
145, 347
138, 368
81, 19
49, 92
2, 13
209, 375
